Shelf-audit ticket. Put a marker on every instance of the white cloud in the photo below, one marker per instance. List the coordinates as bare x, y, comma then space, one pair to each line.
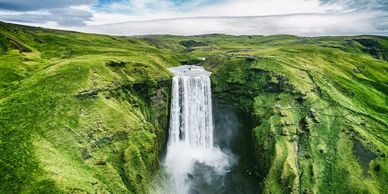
297, 24
157, 9
268, 7
33, 5
61, 16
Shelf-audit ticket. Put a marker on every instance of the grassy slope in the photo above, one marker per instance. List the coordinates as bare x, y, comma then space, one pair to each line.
321, 107
73, 121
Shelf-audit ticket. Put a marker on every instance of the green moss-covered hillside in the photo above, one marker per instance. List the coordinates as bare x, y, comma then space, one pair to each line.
320, 107
84, 113
80, 113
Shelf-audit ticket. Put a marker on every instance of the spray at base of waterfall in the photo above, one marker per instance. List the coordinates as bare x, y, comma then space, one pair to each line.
182, 158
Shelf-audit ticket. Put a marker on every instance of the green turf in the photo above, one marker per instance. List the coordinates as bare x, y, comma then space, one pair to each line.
84, 113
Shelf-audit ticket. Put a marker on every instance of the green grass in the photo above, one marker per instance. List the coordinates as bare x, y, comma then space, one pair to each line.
85, 113
70, 121
311, 103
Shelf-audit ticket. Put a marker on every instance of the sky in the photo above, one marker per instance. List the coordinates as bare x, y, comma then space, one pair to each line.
192, 17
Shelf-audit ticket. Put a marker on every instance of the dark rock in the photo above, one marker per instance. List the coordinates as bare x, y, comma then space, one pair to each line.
248, 172
193, 191
250, 58
101, 162
121, 135
284, 131
188, 50
104, 141
139, 178
85, 154
301, 99
377, 168
207, 49
116, 64
190, 176
191, 62
68, 129
364, 155
314, 115
87, 94
17, 45
156, 43
192, 43
374, 48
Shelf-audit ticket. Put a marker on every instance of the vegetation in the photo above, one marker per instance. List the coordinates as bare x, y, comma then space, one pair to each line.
321, 112
79, 112
84, 113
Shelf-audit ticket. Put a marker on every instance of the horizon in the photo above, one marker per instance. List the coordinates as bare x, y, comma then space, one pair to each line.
196, 35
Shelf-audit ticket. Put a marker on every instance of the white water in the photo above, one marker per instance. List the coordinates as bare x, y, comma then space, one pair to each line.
191, 128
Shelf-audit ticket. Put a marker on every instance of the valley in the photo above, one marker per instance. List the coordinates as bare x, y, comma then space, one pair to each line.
87, 113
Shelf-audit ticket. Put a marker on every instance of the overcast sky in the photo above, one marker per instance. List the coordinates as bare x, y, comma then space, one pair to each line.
187, 17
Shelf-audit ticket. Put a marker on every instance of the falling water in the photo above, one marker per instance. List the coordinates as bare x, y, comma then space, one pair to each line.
191, 129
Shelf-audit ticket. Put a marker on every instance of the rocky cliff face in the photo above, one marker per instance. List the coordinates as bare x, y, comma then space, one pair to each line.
310, 136
127, 147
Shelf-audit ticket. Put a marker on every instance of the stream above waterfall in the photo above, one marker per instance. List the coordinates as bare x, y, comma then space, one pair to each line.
208, 148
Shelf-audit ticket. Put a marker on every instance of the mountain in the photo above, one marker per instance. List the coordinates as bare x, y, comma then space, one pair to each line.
86, 113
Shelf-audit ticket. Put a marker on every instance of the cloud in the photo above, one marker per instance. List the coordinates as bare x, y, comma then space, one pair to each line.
299, 17
360, 5
31, 5
297, 24
61, 12
137, 7
70, 17
61, 16
156, 9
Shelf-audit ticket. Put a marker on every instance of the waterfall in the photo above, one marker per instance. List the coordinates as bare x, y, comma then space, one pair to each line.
191, 108
191, 128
